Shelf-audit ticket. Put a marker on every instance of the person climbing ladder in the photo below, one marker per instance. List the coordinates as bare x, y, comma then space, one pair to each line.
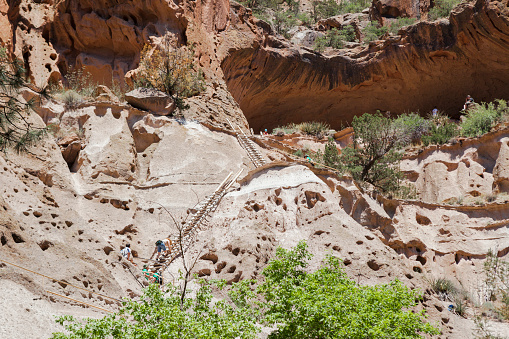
127, 254
159, 248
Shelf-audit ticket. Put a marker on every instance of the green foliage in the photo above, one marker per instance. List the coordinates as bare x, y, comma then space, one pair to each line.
299, 153
441, 131
287, 129
399, 23
354, 6
443, 286
481, 118
71, 99
335, 38
327, 304
323, 304
414, 126
163, 315
80, 82
16, 131
313, 127
282, 21
305, 19
374, 157
170, 70
373, 31
442, 9
331, 154
325, 9
497, 281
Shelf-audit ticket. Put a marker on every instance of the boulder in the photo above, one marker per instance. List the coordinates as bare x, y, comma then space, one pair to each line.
152, 100
105, 94
306, 37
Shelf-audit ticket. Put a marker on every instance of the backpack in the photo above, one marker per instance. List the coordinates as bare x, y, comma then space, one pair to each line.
125, 252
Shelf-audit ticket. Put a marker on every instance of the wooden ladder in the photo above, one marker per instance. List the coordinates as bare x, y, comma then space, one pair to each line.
246, 143
193, 224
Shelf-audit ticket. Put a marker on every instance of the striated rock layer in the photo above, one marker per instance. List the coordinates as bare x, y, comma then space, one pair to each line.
430, 64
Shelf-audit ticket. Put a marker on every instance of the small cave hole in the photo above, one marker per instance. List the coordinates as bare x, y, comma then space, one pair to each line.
236, 251
3, 239
17, 239
421, 259
232, 269
44, 245
417, 269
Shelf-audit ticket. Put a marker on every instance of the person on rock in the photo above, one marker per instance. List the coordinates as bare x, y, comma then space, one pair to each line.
159, 248
146, 273
168, 244
469, 101
127, 254
434, 112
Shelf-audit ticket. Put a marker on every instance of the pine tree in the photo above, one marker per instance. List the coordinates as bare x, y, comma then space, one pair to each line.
16, 132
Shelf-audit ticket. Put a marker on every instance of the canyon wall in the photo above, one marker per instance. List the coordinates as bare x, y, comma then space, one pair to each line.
430, 64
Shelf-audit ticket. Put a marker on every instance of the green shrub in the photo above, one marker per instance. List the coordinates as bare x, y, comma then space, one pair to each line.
354, 6
440, 134
373, 31
395, 26
414, 126
331, 154
287, 129
170, 70
305, 19
444, 286
71, 99
299, 153
80, 82
479, 119
442, 9
313, 127
374, 157
328, 304
335, 38
324, 9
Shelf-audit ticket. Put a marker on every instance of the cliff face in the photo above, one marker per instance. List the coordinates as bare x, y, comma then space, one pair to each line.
436, 63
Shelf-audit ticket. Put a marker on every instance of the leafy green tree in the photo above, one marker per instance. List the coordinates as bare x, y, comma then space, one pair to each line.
414, 125
374, 158
373, 31
327, 304
16, 131
164, 316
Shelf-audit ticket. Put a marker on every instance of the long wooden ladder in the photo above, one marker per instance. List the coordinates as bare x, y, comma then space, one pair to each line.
193, 224
246, 143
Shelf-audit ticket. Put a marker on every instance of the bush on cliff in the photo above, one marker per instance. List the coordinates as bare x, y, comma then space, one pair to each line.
442, 9
399, 23
374, 156
170, 70
481, 118
335, 38
295, 303
373, 31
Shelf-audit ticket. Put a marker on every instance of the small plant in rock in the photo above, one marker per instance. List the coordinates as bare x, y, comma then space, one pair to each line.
287, 129
299, 153
497, 280
71, 99
460, 306
443, 287
80, 81
331, 154
373, 31
491, 197
406, 191
395, 26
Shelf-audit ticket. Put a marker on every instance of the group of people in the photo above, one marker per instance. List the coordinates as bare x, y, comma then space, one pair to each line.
162, 246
